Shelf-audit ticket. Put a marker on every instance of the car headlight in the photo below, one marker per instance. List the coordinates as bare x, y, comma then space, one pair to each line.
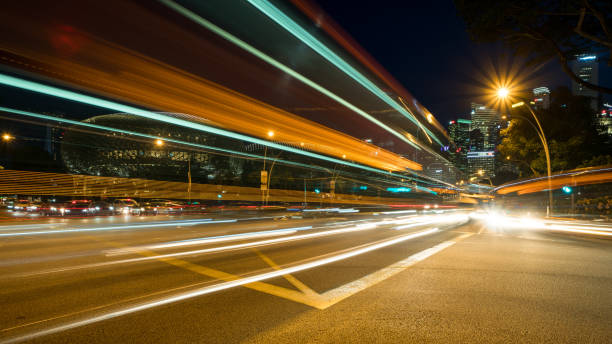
53, 209
111, 208
67, 210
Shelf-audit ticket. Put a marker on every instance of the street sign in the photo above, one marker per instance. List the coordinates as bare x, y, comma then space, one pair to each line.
264, 180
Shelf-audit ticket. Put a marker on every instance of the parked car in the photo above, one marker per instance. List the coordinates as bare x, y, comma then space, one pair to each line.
127, 206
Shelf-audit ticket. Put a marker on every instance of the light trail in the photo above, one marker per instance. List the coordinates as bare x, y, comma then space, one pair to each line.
9, 228
121, 227
260, 243
254, 51
81, 98
151, 137
582, 230
414, 225
209, 240
291, 26
257, 243
221, 286
496, 221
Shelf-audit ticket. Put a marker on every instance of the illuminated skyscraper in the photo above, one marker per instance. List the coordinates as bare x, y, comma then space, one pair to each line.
541, 98
586, 68
486, 123
459, 132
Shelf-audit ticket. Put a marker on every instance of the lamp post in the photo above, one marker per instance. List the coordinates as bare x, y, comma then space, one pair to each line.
265, 178
503, 93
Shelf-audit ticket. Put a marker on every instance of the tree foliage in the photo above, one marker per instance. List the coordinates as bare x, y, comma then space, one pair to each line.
543, 30
573, 135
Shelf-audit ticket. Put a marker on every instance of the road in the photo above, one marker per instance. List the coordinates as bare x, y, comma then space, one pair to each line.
313, 278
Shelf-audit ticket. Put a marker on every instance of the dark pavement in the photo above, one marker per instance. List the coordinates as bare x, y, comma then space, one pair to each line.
343, 277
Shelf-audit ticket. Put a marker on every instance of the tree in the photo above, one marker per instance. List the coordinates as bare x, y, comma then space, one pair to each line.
570, 128
542, 31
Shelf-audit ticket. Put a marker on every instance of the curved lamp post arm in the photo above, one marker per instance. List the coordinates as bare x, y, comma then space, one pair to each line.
546, 151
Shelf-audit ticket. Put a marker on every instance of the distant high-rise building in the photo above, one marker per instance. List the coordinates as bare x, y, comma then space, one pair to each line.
541, 98
604, 119
484, 133
459, 132
487, 120
481, 164
586, 68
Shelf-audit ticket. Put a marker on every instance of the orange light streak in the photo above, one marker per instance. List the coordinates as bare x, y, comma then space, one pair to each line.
141, 80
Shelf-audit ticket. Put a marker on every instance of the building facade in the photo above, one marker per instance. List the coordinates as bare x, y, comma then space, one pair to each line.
481, 164
585, 66
459, 132
541, 98
484, 138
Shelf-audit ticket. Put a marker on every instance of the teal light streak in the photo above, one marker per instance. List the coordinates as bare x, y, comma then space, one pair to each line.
254, 51
81, 98
147, 136
196, 145
422, 188
295, 29
153, 137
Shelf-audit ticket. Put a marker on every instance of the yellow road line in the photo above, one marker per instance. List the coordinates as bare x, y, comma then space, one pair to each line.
290, 278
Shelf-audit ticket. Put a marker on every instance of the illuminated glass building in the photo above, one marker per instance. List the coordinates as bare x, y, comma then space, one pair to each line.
481, 164
585, 66
459, 132
120, 155
541, 98
484, 138
604, 119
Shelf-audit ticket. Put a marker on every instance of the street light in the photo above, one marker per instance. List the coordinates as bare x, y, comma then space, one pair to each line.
503, 93
270, 133
159, 143
6, 137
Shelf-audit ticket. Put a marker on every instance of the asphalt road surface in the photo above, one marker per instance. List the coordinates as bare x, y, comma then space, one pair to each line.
393, 277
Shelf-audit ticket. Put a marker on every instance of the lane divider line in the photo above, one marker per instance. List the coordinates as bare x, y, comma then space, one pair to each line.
253, 282
331, 297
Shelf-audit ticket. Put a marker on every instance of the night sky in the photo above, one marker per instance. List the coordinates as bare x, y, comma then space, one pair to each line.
424, 45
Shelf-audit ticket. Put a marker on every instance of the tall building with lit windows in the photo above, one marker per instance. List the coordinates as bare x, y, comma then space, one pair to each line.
459, 132
484, 138
541, 98
585, 66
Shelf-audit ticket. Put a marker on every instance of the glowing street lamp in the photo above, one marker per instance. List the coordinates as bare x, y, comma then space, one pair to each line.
7, 137
159, 143
503, 92
270, 133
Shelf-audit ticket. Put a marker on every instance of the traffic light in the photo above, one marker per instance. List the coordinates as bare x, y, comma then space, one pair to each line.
567, 189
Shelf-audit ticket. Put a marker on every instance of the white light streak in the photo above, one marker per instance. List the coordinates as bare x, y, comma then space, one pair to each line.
221, 286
